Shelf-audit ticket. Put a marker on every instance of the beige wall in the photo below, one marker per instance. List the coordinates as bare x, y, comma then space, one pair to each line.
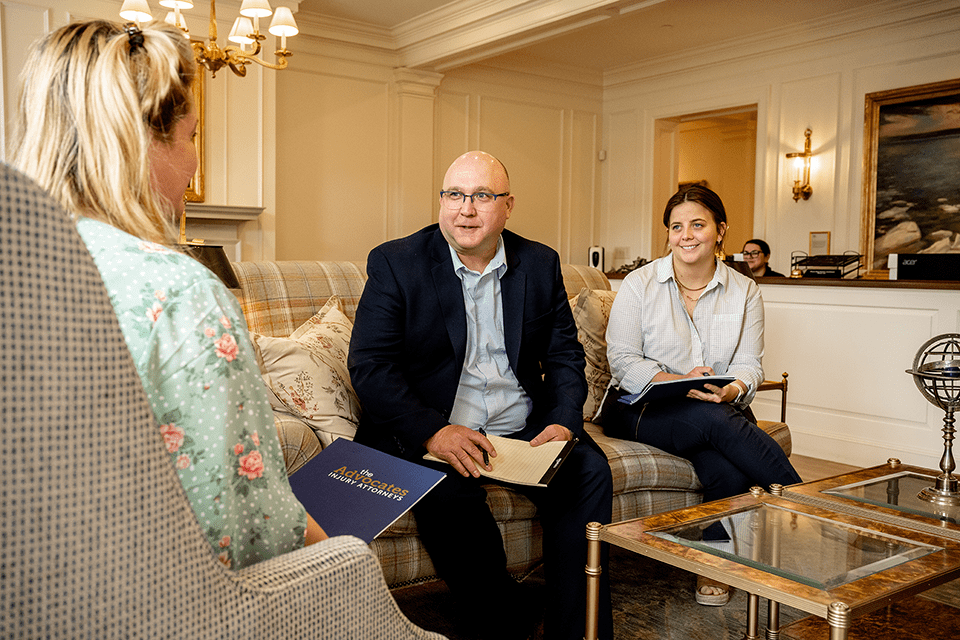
333, 141
364, 148
720, 149
546, 132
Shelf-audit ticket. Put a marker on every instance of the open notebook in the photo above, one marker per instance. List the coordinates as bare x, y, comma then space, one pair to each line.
519, 463
668, 389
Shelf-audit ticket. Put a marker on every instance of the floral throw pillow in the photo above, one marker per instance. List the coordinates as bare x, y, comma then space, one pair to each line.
591, 312
307, 372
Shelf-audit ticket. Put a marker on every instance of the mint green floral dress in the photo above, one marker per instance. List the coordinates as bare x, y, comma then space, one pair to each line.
191, 347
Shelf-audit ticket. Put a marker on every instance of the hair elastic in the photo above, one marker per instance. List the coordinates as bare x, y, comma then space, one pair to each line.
135, 35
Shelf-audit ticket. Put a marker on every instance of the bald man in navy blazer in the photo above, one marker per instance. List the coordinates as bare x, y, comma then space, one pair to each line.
461, 326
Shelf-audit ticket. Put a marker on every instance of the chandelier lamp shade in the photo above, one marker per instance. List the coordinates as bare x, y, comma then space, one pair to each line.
245, 34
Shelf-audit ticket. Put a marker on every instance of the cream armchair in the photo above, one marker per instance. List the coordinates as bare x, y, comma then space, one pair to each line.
98, 539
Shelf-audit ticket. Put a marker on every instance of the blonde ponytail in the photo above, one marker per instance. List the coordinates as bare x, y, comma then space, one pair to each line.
91, 103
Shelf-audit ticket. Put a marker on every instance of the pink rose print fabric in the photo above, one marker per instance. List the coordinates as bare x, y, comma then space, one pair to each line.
172, 437
251, 466
189, 343
227, 347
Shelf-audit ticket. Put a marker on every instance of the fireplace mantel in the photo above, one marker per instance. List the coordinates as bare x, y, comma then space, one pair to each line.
234, 227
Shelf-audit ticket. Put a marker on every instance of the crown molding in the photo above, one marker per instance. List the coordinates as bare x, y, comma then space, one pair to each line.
564, 74
349, 31
467, 32
812, 40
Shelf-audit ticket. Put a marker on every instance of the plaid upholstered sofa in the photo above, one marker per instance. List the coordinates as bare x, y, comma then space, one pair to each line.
290, 301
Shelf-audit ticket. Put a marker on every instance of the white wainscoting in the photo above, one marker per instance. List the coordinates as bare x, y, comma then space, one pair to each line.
847, 350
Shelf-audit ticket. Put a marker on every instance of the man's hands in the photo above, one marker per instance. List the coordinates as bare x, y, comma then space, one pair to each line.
461, 447
552, 432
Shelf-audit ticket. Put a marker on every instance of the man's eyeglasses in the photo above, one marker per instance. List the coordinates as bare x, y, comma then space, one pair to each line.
752, 254
480, 199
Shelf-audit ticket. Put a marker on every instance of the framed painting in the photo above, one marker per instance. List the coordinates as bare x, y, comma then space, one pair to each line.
194, 191
911, 149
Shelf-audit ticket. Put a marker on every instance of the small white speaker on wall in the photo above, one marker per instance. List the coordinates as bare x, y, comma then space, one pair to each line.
595, 257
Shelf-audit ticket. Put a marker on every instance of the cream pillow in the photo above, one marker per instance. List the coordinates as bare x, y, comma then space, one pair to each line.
308, 375
591, 311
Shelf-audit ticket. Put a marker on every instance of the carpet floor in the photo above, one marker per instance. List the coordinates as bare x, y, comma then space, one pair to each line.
654, 601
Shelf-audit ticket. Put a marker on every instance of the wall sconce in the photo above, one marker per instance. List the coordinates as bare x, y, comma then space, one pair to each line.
802, 161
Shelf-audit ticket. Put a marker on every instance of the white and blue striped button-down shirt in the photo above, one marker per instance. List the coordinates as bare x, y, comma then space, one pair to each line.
489, 395
650, 330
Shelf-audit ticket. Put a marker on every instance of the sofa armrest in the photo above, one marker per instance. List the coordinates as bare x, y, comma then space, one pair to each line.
298, 441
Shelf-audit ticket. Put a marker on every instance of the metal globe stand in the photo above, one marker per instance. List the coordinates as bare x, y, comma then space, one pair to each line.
936, 371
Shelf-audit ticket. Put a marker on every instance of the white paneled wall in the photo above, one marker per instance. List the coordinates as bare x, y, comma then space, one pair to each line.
363, 148
820, 85
547, 133
847, 350
333, 142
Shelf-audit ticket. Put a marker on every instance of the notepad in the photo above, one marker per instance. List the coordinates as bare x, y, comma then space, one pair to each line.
667, 389
519, 463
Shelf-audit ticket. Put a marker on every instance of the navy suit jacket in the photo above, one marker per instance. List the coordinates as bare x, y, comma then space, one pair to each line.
409, 340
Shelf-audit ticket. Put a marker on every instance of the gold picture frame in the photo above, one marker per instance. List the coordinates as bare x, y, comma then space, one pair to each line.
194, 191
819, 243
905, 134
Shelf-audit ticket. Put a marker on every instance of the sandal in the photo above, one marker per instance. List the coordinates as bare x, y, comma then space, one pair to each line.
712, 593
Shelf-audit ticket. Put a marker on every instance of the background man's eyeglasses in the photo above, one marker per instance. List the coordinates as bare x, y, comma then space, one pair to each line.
479, 199
752, 254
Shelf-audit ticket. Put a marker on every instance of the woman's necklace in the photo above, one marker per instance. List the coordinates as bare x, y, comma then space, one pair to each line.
684, 289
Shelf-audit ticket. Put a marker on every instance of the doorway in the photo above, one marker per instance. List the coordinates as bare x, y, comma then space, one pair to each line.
718, 148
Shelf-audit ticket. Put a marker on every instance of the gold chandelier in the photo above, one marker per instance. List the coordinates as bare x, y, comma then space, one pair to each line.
245, 33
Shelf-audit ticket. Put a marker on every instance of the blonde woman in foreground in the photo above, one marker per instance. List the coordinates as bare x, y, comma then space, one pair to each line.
105, 123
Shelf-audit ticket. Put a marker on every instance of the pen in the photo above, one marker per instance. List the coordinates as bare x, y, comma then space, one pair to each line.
486, 456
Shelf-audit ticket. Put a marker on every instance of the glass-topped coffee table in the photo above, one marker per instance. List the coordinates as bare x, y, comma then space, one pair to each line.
837, 549
886, 492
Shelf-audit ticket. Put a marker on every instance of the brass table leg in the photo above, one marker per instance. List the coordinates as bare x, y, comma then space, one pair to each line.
838, 616
753, 617
593, 580
753, 600
773, 620
773, 607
